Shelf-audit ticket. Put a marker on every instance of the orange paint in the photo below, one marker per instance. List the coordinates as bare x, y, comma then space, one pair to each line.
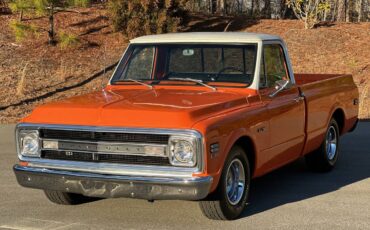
279, 129
23, 163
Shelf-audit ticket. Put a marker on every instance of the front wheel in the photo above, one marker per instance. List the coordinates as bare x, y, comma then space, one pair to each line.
325, 157
66, 198
230, 198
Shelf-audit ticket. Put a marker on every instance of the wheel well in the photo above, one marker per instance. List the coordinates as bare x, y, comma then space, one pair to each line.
247, 144
338, 115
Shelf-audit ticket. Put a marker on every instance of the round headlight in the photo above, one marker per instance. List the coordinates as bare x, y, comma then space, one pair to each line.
183, 151
30, 144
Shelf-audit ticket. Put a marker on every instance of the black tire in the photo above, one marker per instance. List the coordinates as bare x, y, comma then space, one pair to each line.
217, 205
66, 198
320, 160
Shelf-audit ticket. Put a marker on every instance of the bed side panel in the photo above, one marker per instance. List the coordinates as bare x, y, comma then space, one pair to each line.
323, 98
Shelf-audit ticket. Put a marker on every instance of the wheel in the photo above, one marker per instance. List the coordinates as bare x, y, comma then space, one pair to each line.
67, 198
230, 197
324, 158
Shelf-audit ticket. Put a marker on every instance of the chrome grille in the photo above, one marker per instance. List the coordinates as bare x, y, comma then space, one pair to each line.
101, 157
63, 155
104, 136
102, 146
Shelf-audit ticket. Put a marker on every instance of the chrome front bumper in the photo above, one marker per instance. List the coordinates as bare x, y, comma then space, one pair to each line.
109, 186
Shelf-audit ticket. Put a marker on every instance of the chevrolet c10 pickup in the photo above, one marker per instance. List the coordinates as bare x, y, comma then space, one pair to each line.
187, 116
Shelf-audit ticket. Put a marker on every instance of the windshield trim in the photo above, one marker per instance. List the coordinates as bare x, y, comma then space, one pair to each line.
130, 48
168, 82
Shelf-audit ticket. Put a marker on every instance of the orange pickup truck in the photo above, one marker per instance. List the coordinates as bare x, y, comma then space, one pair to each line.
190, 116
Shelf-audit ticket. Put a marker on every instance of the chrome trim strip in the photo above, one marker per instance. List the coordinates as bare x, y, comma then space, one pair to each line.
100, 144
185, 132
109, 153
163, 180
113, 168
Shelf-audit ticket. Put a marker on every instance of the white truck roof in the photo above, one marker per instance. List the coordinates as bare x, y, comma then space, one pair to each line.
205, 37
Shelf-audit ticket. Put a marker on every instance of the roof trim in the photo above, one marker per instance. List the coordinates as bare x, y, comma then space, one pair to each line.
204, 37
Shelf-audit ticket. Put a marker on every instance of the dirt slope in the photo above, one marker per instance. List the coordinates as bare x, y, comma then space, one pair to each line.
50, 73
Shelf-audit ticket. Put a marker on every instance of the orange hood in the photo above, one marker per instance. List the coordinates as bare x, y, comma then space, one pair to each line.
160, 108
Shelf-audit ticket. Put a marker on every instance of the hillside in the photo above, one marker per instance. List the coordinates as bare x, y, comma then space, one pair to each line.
33, 73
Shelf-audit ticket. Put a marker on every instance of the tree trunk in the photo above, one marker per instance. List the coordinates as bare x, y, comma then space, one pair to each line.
267, 9
360, 10
348, 11
213, 6
342, 8
258, 7
333, 11
351, 12
21, 15
252, 8
51, 31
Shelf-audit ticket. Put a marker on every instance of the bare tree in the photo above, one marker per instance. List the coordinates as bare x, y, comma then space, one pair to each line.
310, 12
318, 10
362, 10
342, 14
266, 11
348, 10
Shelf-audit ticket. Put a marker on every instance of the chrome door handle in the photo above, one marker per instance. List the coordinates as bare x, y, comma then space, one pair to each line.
298, 99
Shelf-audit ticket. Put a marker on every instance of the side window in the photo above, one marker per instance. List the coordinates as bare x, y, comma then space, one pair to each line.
274, 66
141, 64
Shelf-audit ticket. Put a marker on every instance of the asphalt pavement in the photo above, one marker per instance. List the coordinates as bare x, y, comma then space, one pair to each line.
289, 198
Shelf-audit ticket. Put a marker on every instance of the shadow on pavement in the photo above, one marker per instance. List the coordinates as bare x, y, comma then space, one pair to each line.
295, 182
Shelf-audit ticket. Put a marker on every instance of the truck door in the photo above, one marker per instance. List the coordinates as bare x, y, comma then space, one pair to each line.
286, 110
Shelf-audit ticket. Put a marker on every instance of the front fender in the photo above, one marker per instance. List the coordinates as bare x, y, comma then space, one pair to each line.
215, 164
225, 130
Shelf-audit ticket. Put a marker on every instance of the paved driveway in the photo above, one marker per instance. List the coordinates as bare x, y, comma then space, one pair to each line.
290, 198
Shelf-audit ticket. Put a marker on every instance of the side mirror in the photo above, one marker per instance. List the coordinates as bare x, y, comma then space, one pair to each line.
279, 86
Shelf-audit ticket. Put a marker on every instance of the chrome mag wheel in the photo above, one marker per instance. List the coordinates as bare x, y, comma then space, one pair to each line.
229, 200
331, 143
235, 181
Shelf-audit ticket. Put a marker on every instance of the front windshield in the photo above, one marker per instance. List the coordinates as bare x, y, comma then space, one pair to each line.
207, 63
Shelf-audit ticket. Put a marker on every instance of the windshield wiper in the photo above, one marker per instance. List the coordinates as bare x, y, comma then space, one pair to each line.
200, 82
139, 82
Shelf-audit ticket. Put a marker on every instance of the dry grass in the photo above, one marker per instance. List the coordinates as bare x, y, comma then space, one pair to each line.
62, 72
364, 109
51, 68
66, 71
22, 81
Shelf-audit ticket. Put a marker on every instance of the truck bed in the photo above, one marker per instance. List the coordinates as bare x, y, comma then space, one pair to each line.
324, 93
302, 79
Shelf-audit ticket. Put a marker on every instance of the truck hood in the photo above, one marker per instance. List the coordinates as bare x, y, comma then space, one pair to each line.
160, 108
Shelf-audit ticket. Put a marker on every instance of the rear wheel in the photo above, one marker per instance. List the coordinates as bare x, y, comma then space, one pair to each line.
230, 198
67, 198
325, 157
